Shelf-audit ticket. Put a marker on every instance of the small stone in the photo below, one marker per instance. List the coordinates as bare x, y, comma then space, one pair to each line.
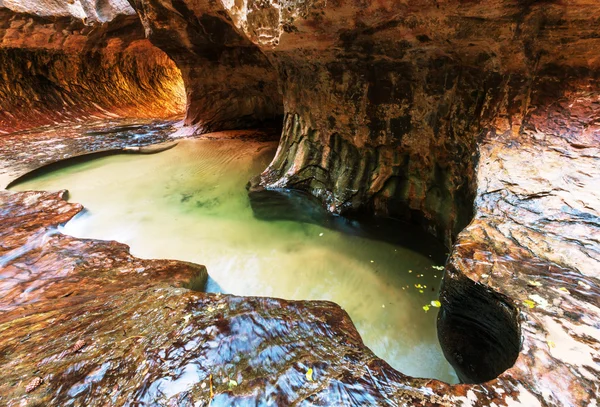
34, 384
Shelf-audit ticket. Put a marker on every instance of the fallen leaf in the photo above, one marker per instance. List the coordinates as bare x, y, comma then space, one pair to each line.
529, 303
436, 303
540, 301
309, 374
232, 384
564, 290
438, 267
532, 283
426, 308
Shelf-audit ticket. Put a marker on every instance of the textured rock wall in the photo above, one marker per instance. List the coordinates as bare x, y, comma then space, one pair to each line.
62, 61
385, 102
230, 83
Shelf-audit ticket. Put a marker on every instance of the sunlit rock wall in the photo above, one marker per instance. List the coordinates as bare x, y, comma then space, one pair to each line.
64, 60
230, 83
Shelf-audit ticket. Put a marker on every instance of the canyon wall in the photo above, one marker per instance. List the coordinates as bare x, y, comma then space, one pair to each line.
387, 101
230, 83
68, 61
477, 119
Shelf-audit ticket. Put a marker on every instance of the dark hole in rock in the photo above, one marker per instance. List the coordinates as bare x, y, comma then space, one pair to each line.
478, 329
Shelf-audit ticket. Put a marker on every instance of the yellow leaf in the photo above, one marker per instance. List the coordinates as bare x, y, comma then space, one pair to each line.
529, 303
564, 290
534, 283
309, 374
551, 344
426, 308
436, 304
232, 384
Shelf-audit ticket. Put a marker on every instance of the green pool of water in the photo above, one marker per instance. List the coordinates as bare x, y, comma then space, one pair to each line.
190, 203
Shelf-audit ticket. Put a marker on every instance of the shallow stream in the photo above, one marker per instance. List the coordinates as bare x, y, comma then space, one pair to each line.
190, 203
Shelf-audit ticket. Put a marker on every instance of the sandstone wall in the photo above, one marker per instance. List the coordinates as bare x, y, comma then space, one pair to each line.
62, 63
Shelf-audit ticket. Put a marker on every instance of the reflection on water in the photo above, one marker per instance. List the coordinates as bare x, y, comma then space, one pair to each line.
190, 203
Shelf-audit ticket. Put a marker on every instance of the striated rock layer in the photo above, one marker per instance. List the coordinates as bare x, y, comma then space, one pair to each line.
230, 83
385, 102
61, 61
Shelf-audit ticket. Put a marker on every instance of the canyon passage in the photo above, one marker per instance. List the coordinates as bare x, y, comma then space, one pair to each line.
147, 130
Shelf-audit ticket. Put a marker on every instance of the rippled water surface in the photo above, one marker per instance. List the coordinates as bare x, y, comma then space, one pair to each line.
190, 203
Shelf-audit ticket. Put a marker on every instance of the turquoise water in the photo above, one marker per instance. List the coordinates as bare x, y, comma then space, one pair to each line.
190, 203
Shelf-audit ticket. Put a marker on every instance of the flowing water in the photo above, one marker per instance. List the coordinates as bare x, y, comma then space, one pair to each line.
190, 203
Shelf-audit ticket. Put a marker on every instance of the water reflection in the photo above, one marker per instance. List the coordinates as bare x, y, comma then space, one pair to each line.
190, 203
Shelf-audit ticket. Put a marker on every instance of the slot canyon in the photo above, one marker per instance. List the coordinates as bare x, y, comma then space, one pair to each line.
300, 203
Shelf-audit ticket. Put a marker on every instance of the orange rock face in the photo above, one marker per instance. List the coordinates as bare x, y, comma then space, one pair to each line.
58, 66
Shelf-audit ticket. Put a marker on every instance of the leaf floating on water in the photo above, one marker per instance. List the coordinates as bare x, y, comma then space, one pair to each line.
309, 374
436, 304
564, 290
532, 283
34, 384
232, 384
529, 303
426, 308
440, 268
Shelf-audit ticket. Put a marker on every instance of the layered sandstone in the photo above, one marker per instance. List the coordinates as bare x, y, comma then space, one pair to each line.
67, 61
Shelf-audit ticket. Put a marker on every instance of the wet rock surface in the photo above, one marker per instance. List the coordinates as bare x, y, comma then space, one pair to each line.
62, 61
29, 150
412, 110
84, 323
